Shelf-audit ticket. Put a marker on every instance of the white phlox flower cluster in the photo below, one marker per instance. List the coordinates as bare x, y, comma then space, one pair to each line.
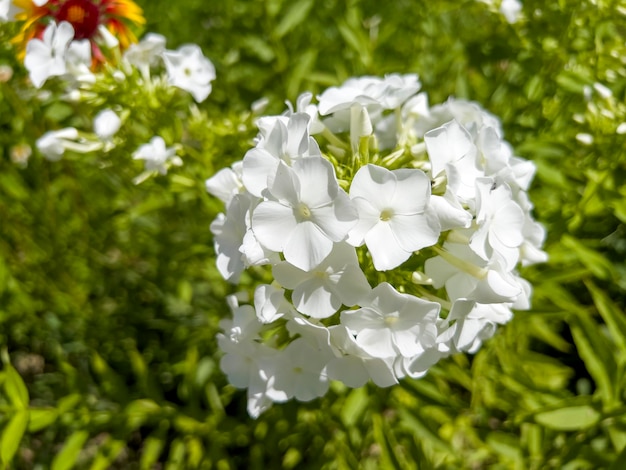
382, 235
58, 54
157, 158
187, 68
153, 68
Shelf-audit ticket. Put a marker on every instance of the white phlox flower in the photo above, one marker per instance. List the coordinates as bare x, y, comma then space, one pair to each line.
156, 156
394, 217
299, 372
389, 92
497, 159
452, 151
466, 275
470, 323
417, 366
468, 114
371, 96
304, 105
500, 222
188, 69
228, 232
391, 323
370, 184
308, 212
147, 52
287, 140
511, 10
8, 10
106, 124
54, 144
354, 366
361, 90
534, 234
246, 359
270, 303
321, 291
46, 57
226, 183
78, 61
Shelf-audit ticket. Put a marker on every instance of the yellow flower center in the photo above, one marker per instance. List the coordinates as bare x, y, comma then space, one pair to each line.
391, 320
386, 215
304, 211
75, 14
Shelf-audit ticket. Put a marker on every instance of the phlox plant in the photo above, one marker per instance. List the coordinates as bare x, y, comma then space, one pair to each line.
382, 235
85, 54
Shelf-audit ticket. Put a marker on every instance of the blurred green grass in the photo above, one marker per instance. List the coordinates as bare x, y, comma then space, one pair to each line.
109, 301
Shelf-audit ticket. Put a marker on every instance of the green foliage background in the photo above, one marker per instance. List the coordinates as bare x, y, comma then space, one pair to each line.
109, 300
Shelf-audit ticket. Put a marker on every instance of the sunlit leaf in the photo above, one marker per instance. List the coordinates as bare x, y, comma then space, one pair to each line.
295, 15
41, 418
15, 388
569, 418
66, 458
12, 435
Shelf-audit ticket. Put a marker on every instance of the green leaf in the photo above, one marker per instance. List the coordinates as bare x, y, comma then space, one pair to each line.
150, 452
390, 457
619, 209
354, 406
68, 402
573, 418
596, 354
357, 42
594, 261
186, 424
41, 418
573, 82
296, 14
620, 462
13, 186
300, 71
551, 174
195, 452
176, 456
505, 445
412, 421
12, 435
139, 411
15, 388
107, 455
259, 48
66, 458
292, 458
612, 315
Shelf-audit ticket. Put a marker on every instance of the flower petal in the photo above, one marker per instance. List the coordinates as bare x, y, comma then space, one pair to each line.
414, 232
306, 246
385, 250
272, 224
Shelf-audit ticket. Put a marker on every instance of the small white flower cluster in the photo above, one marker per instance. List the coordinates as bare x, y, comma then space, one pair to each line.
384, 234
187, 68
58, 54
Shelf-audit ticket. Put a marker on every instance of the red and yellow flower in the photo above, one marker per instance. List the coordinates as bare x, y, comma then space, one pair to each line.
86, 16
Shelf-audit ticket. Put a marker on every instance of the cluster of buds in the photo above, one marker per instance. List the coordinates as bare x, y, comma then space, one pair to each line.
381, 235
